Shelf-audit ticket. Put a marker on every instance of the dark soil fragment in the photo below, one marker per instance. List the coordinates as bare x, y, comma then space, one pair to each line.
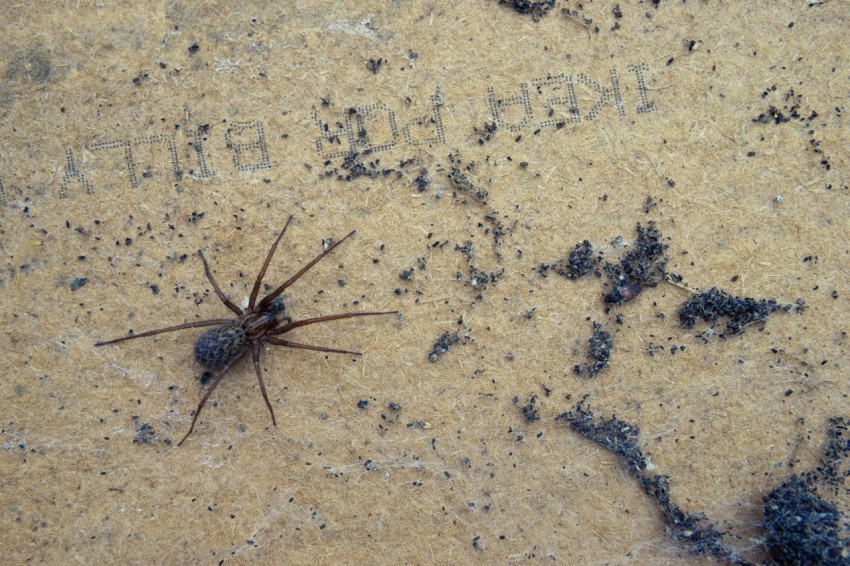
599, 352
579, 263
714, 304
621, 438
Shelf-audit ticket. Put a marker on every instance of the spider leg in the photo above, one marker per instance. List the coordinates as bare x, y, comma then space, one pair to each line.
218, 292
256, 345
290, 344
253, 299
274, 294
213, 322
209, 392
307, 321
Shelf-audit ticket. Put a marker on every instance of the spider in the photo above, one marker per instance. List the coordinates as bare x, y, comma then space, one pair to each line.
220, 347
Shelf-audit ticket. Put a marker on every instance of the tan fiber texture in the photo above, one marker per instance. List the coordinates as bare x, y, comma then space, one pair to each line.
472, 146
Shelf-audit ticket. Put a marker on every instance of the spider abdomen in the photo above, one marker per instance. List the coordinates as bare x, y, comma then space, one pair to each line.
219, 345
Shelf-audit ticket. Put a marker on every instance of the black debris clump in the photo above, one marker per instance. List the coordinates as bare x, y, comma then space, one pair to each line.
649, 204
461, 181
715, 304
486, 132
612, 434
772, 114
792, 108
580, 18
529, 411
643, 266
621, 438
499, 229
691, 528
138, 79
536, 9
620, 294
374, 65
477, 278
357, 168
463, 185
444, 342
802, 527
422, 181
598, 353
581, 261
837, 449
78, 283
481, 279
145, 433
355, 165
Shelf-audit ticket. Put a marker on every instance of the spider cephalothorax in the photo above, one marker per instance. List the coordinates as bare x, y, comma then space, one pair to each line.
221, 346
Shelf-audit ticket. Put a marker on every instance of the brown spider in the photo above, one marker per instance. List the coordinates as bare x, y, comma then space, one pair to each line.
220, 347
